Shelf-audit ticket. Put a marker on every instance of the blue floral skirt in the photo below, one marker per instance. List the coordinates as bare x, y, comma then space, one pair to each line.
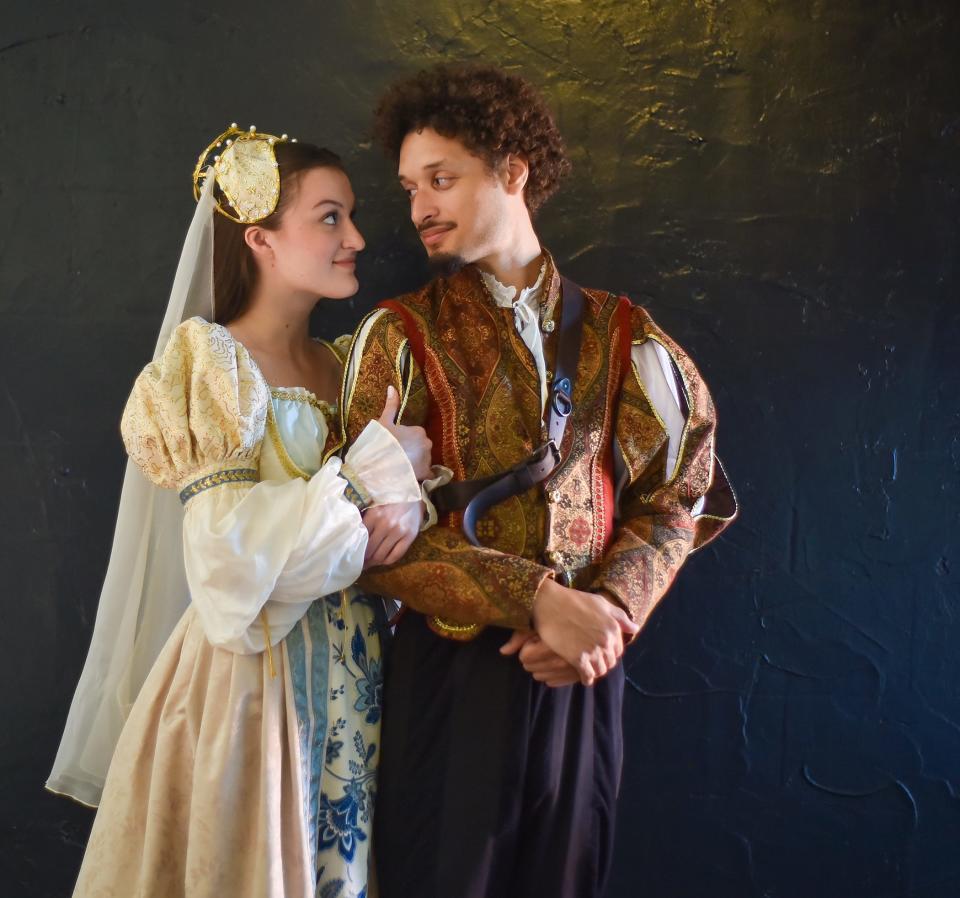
336, 670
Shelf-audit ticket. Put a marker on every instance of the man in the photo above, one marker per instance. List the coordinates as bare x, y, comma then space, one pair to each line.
502, 753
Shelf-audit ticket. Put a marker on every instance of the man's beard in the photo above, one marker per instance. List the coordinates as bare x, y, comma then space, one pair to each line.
446, 264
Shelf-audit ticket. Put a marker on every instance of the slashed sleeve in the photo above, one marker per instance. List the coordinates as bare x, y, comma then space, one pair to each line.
673, 495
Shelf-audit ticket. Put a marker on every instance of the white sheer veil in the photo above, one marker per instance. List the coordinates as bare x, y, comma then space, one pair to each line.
145, 590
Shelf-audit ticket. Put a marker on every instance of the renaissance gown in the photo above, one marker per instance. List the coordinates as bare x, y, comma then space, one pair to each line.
247, 766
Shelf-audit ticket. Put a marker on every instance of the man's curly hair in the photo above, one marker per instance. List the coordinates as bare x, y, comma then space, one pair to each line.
491, 112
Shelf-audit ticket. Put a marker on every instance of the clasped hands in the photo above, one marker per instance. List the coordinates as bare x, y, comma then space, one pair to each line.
576, 636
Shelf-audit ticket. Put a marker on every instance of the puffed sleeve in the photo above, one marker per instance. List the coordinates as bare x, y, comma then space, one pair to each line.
256, 553
199, 409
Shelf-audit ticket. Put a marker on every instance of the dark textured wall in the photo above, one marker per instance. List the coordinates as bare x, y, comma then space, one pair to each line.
777, 181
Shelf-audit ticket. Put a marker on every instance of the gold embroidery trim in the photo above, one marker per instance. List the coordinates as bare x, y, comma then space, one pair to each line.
398, 367
289, 465
354, 491
347, 400
290, 395
549, 300
333, 409
733, 493
646, 395
217, 478
451, 627
690, 410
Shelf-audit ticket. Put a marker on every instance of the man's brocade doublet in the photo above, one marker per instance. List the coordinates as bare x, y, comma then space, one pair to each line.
611, 518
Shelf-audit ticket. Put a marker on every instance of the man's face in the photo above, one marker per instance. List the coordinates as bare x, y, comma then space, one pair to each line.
458, 205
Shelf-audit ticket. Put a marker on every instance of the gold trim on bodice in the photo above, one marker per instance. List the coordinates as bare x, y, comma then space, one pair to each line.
273, 432
302, 394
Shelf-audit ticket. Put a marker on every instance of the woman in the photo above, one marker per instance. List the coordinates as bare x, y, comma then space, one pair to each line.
247, 764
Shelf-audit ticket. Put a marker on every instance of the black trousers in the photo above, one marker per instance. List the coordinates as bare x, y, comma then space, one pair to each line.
491, 784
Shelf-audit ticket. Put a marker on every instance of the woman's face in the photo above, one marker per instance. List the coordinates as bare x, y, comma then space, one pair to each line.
316, 244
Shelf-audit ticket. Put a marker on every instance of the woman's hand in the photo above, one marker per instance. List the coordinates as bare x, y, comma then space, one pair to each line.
392, 529
413, 440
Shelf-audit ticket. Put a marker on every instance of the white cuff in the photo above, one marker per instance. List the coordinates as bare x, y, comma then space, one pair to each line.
379, 467
441, 477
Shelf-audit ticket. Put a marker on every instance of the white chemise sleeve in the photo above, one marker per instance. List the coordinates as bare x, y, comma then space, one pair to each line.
270, 548
256, 554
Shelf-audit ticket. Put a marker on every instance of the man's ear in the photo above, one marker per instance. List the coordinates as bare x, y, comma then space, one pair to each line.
258, 239
516, 170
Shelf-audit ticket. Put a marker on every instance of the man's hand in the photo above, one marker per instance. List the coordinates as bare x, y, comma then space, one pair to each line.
584, 629
392, 529
413, 440
539, 660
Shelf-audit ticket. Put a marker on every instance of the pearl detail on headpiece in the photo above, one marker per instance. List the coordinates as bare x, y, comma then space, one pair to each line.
246, 173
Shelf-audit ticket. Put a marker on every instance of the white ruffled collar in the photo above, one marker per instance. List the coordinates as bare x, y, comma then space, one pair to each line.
503, 296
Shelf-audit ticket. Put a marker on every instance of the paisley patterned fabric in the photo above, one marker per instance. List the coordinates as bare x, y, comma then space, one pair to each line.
470, 380
658, 524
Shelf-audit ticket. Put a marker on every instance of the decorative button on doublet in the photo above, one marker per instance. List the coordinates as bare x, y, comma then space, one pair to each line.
554, 495
548, 326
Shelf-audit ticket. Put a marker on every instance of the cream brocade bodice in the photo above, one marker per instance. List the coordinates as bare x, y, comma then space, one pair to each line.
269, 523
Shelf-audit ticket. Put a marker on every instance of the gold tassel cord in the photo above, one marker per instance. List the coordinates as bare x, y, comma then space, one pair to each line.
266, 632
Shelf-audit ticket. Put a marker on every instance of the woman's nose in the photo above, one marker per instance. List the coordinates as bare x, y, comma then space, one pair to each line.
353, 239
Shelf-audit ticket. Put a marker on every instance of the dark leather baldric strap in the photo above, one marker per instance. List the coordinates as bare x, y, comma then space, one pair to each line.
477, 497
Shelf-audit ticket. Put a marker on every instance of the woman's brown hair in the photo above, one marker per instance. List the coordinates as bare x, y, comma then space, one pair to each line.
234, 270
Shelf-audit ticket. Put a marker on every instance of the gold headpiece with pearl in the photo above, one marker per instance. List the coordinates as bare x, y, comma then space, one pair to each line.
245, 167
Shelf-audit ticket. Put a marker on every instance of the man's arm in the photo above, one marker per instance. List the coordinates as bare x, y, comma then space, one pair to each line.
442, 573
675, 499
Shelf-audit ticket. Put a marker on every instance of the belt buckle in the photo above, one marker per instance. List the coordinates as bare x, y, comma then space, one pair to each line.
551, 448
562, 400
548, 448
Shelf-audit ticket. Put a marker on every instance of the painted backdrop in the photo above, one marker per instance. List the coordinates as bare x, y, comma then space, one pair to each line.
777, 180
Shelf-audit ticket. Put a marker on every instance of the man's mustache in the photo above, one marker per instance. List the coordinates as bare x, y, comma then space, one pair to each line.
436, 226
